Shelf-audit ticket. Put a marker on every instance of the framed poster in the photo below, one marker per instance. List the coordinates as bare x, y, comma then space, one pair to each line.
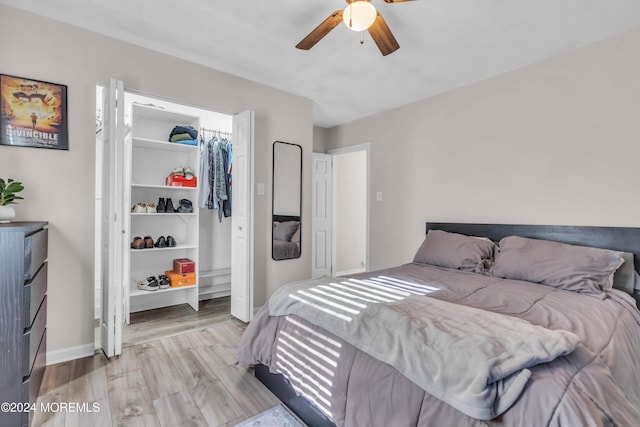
33, 113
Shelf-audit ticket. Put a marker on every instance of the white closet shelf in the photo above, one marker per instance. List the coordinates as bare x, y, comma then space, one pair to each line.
215, 272
163, 187
152, 112
214, 292
173, 248
135, 292
163, 214
156, 144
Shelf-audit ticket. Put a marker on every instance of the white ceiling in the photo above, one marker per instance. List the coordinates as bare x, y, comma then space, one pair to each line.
444, 44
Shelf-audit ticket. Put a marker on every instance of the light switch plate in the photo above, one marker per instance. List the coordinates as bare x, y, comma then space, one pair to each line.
379, 196
260, 189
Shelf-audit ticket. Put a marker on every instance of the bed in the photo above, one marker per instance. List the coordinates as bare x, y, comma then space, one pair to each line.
462, 338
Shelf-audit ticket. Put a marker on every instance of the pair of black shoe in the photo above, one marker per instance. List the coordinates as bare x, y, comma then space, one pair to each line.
166, 206
168, 242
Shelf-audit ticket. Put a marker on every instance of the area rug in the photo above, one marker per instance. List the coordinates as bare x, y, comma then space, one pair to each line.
278, 416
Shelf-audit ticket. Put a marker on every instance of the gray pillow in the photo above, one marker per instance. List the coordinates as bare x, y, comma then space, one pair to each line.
284, 230
573, 268
452, 250
624, 277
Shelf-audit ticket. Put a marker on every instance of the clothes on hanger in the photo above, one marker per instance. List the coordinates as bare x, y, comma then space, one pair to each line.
215, 167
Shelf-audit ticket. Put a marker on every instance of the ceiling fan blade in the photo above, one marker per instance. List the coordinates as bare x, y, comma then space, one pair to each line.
383, 37
320, 31
395, 1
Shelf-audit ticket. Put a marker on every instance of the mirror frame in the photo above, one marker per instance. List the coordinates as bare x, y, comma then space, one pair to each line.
273, 192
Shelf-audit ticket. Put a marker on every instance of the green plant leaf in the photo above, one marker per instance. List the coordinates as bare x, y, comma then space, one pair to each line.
8, 190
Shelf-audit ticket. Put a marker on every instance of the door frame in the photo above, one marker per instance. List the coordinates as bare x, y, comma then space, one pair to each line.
119, 315
366, 147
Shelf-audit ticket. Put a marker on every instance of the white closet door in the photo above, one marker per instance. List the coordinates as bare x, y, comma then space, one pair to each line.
322, 213
112, 220
242, 217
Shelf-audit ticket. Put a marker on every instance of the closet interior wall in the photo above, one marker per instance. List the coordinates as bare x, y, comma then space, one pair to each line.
214, 258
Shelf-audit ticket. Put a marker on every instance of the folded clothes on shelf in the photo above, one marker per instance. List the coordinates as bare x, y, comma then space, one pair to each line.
178, 130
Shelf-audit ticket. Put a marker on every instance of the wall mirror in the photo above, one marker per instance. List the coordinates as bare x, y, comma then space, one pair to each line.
287, 201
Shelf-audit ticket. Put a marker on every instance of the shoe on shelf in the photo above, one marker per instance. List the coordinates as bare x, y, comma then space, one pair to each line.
161, 242
139, 208
188, 173
149, 284
148, 242
151, 208
163, 282
160, 207
137, 243
171, 242
185, 206
178, 170
168, 207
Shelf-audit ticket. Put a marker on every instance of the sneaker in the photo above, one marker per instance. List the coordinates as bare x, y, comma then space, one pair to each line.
188, 173
178, 170
163, 282
171, 242
151, 208
149, 284
185, 206
139, 208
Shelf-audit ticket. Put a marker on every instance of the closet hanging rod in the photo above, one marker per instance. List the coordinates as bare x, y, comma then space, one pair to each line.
215, 132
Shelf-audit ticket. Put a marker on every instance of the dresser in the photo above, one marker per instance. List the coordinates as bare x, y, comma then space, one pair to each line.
23, 316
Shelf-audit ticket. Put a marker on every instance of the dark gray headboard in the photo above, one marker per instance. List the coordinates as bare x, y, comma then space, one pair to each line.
625, 239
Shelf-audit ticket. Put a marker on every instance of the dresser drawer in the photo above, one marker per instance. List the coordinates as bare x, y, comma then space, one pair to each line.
31, 384
34, 293
35, 252
32, 338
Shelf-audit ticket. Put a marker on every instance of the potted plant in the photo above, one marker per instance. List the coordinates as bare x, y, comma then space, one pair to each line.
8, 196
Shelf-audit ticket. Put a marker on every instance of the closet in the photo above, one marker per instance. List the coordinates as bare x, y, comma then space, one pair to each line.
136, 162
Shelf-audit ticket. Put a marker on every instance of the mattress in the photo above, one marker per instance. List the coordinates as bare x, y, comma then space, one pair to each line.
596, 384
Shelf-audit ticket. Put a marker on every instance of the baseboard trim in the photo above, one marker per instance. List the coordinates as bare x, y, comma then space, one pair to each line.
353, 271
71, 353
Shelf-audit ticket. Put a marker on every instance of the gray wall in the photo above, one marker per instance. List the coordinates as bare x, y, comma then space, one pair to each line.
557, 142
60, 184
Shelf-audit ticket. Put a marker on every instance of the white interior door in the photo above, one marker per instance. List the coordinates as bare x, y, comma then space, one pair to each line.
112, 220
242, 217
322, 212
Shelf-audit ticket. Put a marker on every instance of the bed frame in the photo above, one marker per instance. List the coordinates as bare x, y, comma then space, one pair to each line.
625, 239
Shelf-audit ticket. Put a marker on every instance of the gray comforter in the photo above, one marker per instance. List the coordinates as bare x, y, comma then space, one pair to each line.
595, 385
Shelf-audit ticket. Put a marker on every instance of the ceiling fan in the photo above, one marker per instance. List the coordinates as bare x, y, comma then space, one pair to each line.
359, 15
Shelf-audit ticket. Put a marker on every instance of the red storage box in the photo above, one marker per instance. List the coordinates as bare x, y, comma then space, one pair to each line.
181, 181
176, 280
184, 265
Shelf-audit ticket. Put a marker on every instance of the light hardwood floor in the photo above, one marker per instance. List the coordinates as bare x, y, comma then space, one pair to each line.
187, 379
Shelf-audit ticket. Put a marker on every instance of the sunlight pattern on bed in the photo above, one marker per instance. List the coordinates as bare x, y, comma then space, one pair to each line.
309, 359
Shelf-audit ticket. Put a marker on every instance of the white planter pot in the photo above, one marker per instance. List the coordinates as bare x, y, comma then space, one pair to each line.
6, 214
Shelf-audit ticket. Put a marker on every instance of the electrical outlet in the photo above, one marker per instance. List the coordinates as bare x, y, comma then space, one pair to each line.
379, 196
260, 189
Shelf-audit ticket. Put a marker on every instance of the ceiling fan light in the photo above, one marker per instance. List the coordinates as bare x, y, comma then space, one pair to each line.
359, 15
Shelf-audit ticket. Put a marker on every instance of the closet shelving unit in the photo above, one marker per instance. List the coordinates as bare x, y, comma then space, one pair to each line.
149, 159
